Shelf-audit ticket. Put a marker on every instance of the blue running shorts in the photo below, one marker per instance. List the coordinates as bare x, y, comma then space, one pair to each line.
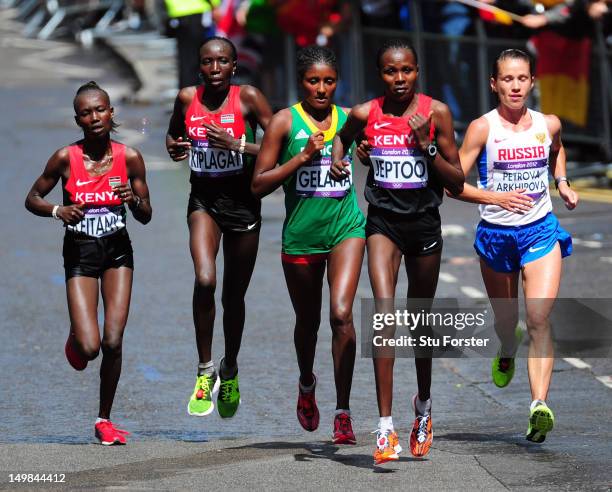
508, 248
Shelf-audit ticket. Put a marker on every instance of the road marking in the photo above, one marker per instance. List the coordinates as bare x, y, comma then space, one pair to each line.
577, 363
449, 230
606, 259
472, 292
586, 243
607, 380
447, 277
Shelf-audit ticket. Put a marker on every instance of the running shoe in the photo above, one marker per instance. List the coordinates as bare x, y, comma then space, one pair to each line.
229, 396
386, 447
108, 434
307, 410
76, 360
200, 403
541, 421
343, 429
502, 368
421, 436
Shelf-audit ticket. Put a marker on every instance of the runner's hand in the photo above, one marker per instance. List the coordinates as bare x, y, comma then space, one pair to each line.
420, 126
71, 214
340, 170
569, 196
514, 201
177, 149
124, 193
363, 152
218, 137
315, 144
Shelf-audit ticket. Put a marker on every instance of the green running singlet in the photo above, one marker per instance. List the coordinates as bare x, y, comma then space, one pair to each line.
320, 212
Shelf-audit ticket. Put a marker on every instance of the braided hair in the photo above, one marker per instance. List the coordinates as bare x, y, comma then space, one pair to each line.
395, 44
311, 55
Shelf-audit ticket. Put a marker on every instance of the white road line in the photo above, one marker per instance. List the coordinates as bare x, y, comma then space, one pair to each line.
472, 292
453, 230
577, 363
607, 380
447, 277
606, 259
587, 244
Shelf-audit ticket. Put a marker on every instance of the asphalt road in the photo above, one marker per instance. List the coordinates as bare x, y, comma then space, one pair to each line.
47, 410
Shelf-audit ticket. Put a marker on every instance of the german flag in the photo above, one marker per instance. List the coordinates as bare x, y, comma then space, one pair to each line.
562, 68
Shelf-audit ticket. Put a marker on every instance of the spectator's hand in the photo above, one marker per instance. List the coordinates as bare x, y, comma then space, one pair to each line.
534, 21
514, 201
363, 152
218, 137
569, 196
598, 9
177, 149
340, 170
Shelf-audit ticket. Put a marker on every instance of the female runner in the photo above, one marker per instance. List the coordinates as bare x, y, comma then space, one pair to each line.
214, 125
323, 227
95, 173
413, 157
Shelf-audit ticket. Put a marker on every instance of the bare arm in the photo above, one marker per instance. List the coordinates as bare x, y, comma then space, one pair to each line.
557, 160
176, 145
140, 203
355, 123
266, 176
473, 143
446, 162
57, 167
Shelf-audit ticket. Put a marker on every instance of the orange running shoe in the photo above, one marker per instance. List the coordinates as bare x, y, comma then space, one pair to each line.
385, 449
421, 436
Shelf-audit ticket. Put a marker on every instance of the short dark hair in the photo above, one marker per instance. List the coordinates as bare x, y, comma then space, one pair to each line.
310, 55
395, 44
513, 54
91, 86
223, 40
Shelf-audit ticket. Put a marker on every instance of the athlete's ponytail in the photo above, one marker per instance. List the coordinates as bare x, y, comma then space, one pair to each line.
92, 85
311, 55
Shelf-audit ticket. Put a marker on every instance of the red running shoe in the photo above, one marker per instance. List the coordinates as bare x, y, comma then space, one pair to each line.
343, 430
421, 436
76, 360
307, 411
108, 434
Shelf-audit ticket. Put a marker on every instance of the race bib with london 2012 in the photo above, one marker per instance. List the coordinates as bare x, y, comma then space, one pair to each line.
314, 180
100, 221
528, 170
211, 162
399, 168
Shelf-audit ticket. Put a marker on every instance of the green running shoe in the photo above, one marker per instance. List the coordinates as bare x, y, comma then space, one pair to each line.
541, 421
502, 368
200, 403
229, 397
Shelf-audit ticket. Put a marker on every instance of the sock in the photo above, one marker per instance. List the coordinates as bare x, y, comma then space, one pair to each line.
535, 403
422, 407
308, 389
386, 423
342, 410
206, 368
98, 420
227, 372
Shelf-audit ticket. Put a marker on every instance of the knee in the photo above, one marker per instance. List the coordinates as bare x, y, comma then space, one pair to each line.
206, 280
88, 348
112, 345
537, 323
341, 316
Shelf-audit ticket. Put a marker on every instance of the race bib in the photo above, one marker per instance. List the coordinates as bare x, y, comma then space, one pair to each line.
212, 162
399, 168
100, 221
523, 175
314, 180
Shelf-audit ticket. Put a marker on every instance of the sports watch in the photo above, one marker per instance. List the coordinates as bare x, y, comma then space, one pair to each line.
559, 179
432, 150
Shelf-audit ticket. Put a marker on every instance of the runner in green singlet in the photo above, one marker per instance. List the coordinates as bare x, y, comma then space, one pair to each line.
323, 226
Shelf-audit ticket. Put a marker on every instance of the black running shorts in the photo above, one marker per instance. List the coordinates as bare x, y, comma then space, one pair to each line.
86, 256
229, 214
417, 234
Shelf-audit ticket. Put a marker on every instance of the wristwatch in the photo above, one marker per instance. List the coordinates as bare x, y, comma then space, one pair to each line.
432, 150
559, 179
